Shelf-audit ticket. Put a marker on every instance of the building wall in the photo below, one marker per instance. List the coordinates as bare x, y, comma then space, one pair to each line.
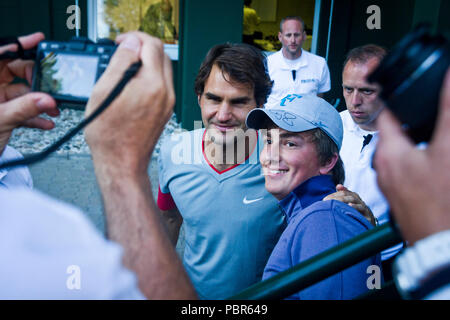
18, 17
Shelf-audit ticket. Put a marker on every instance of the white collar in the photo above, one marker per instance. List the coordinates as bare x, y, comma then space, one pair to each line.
302, 60
353, 127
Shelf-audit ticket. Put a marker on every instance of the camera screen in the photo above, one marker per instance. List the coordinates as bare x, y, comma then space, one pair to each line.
68, 74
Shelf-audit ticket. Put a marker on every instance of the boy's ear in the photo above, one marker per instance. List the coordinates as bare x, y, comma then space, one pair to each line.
326, 169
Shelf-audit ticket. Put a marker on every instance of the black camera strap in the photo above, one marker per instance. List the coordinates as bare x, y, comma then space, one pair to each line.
20, 53
129, 73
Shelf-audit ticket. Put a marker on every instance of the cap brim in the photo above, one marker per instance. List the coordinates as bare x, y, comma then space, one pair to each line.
262, 118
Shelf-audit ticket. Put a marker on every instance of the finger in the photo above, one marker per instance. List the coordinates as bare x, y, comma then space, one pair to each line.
19, 110
15, 90
443, 122
340, 187
329, 197
22, 69
168, 77
389, 127
393, 142
352, 194
8, 47
350, 199
334, 196
53, 112
39, 123
27, 42
31, 40
357, 206
341, 197
126, 53
152, 53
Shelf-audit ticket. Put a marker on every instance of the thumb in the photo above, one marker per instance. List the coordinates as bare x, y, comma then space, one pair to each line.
442, 133
19, 110
340, 187
392, 137
126, 54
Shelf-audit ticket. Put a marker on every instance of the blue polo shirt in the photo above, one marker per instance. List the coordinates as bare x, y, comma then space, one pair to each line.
313, 227
231, 222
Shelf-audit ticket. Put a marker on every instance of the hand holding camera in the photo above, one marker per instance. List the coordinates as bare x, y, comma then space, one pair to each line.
19, 107
69, 70
128, 130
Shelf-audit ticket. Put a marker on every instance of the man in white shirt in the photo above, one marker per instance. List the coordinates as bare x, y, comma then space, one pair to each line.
361, 135
294, 70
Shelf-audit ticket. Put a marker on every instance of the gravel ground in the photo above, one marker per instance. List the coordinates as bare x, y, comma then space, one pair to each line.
68, 175
29, 141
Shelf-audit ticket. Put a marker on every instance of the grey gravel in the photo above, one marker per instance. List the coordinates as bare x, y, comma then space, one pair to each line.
28, 141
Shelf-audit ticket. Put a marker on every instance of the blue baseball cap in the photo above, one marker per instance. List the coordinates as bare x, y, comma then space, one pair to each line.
296, 113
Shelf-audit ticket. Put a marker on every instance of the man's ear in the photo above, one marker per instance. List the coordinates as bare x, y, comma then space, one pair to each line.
326, 169
198, 99
280, 36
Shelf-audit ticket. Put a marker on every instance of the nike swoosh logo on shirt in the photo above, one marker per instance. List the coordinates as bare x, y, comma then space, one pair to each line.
245, 201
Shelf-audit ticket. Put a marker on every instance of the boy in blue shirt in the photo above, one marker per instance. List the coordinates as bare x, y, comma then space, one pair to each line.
301, 164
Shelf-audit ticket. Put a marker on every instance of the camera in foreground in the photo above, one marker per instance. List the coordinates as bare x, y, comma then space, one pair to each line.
69, 70
411, 78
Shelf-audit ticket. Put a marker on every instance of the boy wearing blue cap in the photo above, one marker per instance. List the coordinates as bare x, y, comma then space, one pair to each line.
301, 164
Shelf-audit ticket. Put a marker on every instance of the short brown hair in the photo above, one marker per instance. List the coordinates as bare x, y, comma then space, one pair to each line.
243, 64
364, 53
297, 18
326, 149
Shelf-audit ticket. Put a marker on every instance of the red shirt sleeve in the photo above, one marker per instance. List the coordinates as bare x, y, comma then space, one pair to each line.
165, 201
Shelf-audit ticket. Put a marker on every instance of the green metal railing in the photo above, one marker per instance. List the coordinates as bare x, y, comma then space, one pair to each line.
323, 265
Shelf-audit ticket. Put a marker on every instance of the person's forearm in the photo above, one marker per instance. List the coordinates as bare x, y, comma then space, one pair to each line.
134, 222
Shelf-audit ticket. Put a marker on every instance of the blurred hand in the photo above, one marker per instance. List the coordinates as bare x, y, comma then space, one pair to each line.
124, 135
353, 200
416, 182
18, 107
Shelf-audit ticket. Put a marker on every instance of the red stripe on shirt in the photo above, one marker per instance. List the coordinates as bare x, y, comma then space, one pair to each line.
232, 167
165, 201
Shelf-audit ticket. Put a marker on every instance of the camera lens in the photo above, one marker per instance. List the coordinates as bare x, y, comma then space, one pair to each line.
411, 78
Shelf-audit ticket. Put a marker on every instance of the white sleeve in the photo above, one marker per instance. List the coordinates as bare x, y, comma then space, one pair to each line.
325, 82
18, 176
440, 294
51, 251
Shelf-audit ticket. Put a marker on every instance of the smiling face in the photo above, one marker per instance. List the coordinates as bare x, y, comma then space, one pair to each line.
224, 106
289, 159
360, 96
292, 37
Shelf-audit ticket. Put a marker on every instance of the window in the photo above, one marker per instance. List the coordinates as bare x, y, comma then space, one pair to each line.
159, 18
261, 22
